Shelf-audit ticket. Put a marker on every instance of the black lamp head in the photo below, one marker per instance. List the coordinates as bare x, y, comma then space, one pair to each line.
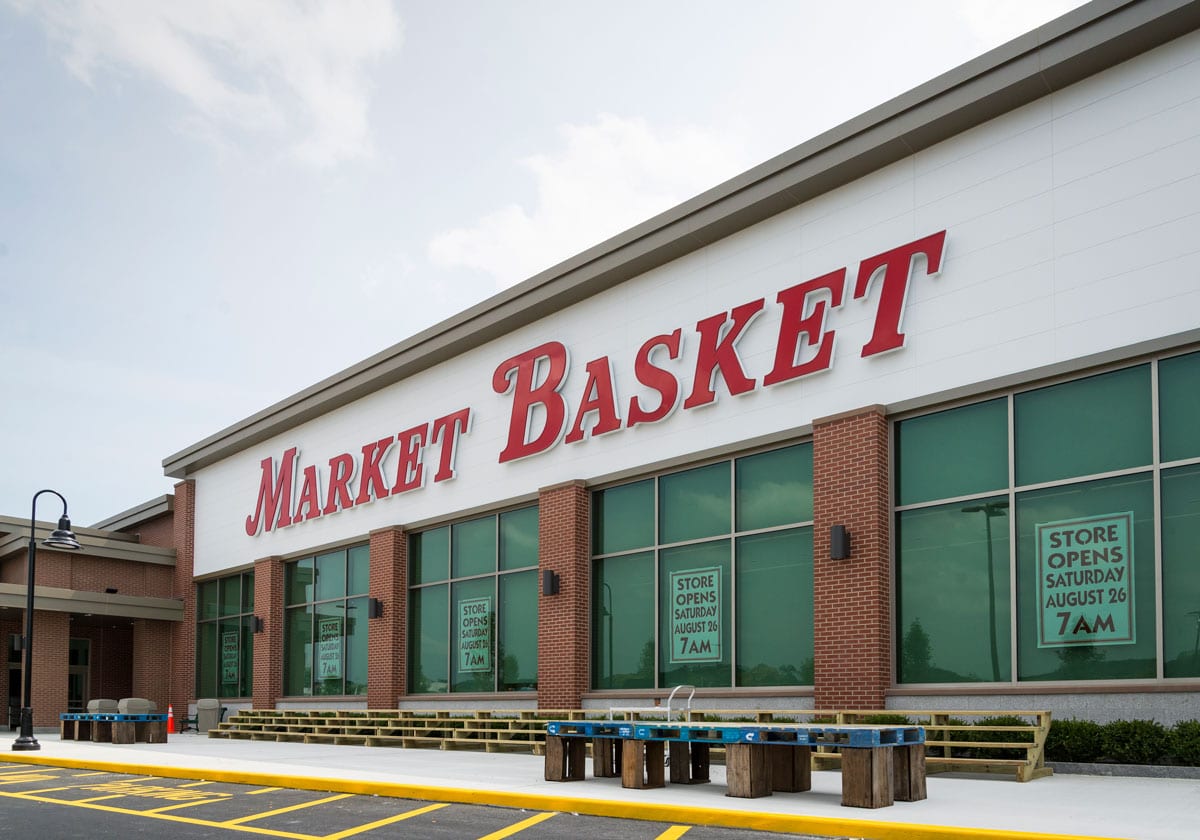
62, 538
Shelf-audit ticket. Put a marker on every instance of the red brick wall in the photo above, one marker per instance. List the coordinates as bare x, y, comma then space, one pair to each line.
159, 531
387, 637
182, 664
268, 645
563, 624
51, 631
852, 598
111, 675
151, 647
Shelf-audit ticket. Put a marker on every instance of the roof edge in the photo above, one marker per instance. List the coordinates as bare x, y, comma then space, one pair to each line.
1059, 53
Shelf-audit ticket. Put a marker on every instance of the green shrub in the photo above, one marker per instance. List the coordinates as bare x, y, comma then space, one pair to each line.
1134, 741
887, 720
1185, 742
985, 734
1073, 740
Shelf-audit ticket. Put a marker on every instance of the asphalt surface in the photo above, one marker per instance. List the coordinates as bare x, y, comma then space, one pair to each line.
957, 805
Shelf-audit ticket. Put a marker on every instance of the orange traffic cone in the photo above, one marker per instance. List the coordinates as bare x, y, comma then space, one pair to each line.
170, 719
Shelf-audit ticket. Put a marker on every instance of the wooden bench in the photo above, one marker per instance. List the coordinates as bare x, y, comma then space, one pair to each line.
882, 763
113, 728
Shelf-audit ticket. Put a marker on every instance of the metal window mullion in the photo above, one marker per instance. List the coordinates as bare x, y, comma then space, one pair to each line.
1012, 541
496, 596
657, 594
733, 523
1159, 647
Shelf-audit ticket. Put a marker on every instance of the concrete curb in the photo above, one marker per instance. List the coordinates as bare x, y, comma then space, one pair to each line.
780, 823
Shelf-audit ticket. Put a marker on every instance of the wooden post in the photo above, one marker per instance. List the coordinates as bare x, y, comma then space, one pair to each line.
909, 766
606, 757
689, 763
642, 764
565, 758
747, 771
867, 777
791, 767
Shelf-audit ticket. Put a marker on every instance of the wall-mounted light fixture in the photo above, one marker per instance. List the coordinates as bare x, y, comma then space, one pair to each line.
549, 582
258, 624
839, 543
110, 590
374, 608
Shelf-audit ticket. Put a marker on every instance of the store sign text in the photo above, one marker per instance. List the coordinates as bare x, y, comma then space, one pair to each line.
1085, 581
290, 492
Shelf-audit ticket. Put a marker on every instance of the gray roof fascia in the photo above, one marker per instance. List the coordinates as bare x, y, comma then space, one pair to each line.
95, 543
138, 514
1066, 50
55, 599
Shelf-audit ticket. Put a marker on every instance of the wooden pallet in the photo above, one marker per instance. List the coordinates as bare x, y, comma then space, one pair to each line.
949, 735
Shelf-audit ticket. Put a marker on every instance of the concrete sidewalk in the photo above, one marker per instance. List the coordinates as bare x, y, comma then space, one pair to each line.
958, 806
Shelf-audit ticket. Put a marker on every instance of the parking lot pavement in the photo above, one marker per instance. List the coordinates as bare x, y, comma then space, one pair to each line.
957, 806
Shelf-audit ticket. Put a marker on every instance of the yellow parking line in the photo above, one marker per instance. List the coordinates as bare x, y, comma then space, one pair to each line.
222, 798
194, 784
98, 798
22, 768
350, 832
261, 790
96, 773
265, 814
51, 790
521, 826
674, 832
112, 809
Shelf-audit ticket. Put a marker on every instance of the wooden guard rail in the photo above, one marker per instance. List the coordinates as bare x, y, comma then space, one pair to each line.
955, 740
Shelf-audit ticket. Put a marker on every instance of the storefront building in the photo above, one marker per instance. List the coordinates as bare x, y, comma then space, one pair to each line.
906, 417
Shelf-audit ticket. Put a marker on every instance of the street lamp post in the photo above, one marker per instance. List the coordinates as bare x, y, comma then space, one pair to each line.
990, 509
61, 538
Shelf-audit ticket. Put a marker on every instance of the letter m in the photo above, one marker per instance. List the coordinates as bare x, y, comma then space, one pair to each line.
1104, 622
274, 507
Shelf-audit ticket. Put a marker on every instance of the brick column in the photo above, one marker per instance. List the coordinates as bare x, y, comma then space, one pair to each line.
852, 598
387, 636
564, 620
181, 667
268, 645
151, 649
51, 634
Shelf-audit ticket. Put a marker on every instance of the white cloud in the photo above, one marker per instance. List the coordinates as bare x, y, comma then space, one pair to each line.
610, 175
294, 72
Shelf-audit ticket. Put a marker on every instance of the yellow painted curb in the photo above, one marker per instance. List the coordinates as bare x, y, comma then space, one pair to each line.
780, 823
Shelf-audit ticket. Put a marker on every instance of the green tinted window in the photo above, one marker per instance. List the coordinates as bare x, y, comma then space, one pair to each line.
360, 571
248, 592
209, 599
623, 621
695, 621
331, 576
298, 582
298, 651
428, 624
775, 608
517, 640
473, 547
207, 659
1181, 571
952, 453
356, 647
694, 504
1088, 426
952, 593
473, 627
623, 518
519, 539
231, 595
1179, 407
774, 488
429, 556
1085, 581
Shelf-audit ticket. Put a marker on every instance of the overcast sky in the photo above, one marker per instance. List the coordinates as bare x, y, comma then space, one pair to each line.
207, 206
